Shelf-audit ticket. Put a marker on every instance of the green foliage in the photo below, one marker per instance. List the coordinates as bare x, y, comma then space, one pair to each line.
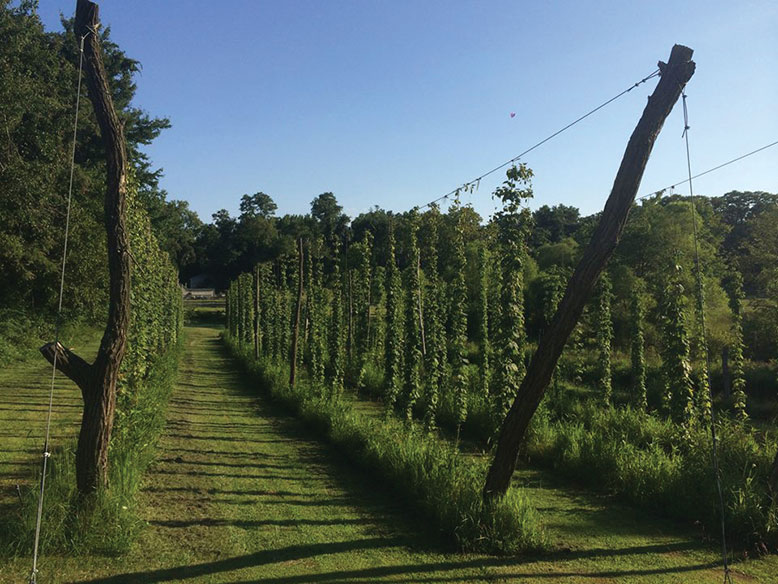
394, 328
317, 315
736, 348
414, 319
20, 335
513, 227
484, 265
435, 308
659, 465
147, 373
426, 472
678, 396
38, 78
604, 337
458, 316
337, 330
361, 288
638, 358
434, 315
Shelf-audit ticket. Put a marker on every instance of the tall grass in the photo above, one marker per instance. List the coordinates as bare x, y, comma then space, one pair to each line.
646, 460
106, 523
659, 465
428, 473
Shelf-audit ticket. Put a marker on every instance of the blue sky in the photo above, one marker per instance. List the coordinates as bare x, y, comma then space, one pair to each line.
393, 103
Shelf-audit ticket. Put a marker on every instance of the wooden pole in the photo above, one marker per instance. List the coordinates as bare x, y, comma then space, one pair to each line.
296, 330
674, 76
98, 381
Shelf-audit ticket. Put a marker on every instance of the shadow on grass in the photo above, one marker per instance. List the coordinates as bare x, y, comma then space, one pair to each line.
211, 522
301, 552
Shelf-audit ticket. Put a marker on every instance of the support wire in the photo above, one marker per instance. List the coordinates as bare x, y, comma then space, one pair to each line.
701, 312
46, 451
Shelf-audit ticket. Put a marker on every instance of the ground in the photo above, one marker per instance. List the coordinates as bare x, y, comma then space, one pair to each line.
241, 492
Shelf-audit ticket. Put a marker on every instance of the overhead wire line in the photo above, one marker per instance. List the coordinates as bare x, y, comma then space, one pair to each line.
58, 323
703, 328
476, 181
698, 175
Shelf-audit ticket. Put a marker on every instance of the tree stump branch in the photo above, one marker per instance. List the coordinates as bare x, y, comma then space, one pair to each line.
68, 363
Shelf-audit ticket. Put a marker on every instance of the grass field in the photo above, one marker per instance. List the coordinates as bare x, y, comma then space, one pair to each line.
243, 493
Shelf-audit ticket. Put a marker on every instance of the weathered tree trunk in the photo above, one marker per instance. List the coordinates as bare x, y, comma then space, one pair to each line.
674, 75
98, 381
296, 330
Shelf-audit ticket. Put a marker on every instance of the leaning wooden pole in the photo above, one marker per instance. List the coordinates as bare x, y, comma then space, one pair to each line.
298, 310
98, 380
674, 76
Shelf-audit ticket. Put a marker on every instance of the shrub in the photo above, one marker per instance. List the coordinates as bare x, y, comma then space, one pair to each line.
657, 464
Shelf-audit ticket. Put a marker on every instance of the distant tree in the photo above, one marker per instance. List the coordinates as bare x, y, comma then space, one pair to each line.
329, 216
553, 224
257, 205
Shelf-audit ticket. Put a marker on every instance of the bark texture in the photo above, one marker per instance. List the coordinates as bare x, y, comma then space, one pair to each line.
98, 380
674, 76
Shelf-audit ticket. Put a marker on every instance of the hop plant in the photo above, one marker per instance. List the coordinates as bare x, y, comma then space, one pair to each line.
513, 228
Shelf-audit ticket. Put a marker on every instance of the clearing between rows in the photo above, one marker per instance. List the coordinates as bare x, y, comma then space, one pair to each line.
241, 492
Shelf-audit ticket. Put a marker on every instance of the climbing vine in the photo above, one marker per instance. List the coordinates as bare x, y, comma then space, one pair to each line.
337, 329
678, 394
736, 346
414, 319
394, 327
637, 344
513, 226
434, 319
458, 318
317, 314
484, 267
604, 337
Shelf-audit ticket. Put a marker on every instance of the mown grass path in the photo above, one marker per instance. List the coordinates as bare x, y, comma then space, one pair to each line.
243, 493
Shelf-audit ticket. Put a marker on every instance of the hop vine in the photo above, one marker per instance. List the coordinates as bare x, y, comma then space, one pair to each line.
513, 227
